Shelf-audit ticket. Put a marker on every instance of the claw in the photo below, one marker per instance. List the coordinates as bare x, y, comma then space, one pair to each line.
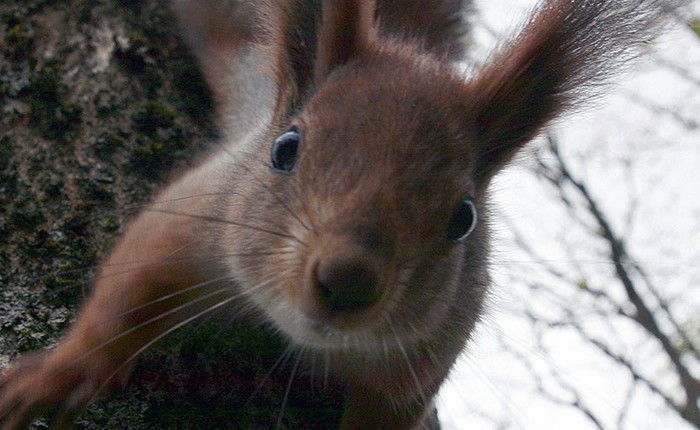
33, 388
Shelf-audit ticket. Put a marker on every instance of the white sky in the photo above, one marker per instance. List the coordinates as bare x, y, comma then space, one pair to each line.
654, 164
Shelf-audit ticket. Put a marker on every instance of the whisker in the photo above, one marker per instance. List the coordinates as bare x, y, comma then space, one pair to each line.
158, 338
169, 260
279, 199
175, 200
285, 399
136, 264
166, 258
151, 321
228, 222
175, 294
119, 336
385, 347
282, 359
419, 389
326, 368
513, 410
312, 375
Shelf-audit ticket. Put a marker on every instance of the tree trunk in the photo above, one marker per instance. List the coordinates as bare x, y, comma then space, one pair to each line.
100, 103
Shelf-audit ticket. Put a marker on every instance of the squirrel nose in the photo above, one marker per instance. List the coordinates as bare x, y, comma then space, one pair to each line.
347, 283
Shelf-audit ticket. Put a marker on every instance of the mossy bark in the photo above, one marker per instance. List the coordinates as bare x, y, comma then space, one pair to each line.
100, 104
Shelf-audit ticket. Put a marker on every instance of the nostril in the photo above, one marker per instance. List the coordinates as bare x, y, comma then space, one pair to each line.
347, 285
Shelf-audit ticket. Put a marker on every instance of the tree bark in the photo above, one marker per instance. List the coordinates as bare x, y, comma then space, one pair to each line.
100, 104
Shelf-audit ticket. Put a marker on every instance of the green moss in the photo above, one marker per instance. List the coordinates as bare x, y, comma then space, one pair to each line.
164, 138
109, 224
150, 158
134, 5
154, 116
27, 323
5, 158
18, 41
51, 115
26, 215
103, 146
46, 86
49, 257
152, 79
196, 96
105, 104
123, 412
139, 60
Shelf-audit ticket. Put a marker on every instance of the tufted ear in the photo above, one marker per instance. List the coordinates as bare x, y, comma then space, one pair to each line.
312, 38
556, 64
346, 30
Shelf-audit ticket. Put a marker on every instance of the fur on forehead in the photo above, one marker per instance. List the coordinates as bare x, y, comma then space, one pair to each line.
404, 133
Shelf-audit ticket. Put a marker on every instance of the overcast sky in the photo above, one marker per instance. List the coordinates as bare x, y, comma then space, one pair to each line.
637, 160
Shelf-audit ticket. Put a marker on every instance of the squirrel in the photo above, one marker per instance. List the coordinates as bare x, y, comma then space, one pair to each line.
347, 205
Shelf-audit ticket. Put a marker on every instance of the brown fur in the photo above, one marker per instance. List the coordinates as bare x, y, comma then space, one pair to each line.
558, 61
437, 26
346, 255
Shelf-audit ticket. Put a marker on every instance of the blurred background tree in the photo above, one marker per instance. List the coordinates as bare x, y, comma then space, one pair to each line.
596, 316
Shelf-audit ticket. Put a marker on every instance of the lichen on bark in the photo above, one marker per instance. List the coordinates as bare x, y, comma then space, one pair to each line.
100, 104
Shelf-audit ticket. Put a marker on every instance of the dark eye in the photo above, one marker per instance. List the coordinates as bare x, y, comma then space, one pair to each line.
463, 221
284, 151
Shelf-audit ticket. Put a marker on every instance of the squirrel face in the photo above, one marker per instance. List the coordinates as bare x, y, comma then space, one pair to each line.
374, 215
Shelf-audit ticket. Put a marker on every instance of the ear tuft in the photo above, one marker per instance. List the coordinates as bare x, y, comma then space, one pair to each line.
559, 60
346, 31
311, 38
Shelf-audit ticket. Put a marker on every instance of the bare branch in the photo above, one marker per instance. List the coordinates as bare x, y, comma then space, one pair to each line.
644, 316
